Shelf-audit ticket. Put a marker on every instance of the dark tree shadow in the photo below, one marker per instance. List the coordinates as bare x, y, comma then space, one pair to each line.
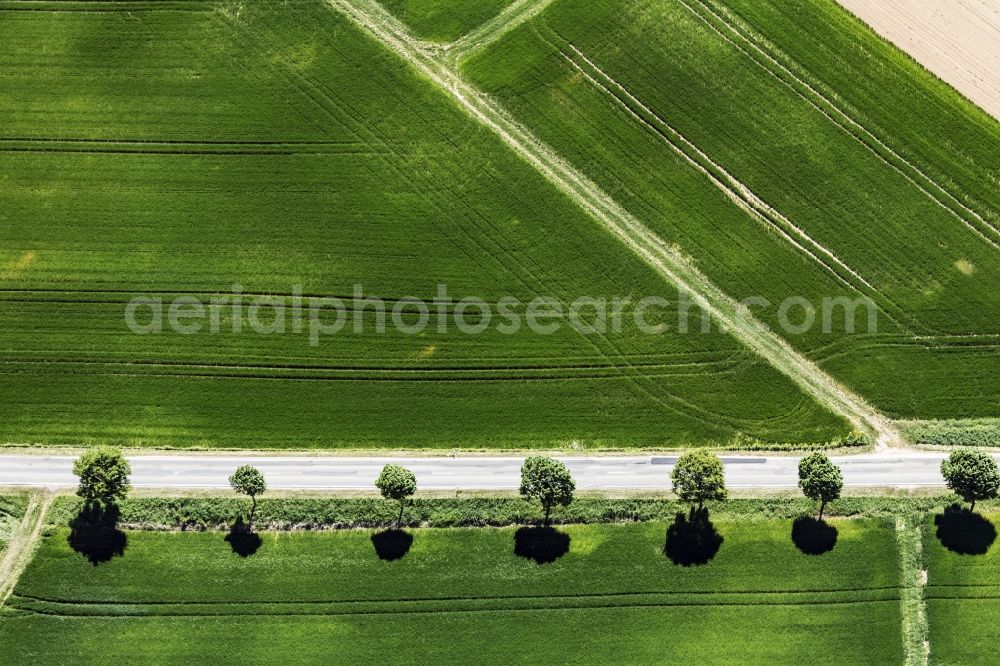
813, 536
94, 534
544, 545
242, 539
964, 532
392, 545
692, 539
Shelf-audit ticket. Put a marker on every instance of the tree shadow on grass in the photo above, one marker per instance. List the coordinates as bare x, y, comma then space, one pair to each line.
813, 536
392, 545
692, 540
244, 541
544, 545
94, 534
964, 532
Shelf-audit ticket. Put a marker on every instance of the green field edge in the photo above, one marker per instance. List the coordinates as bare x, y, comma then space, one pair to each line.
920, 434
901, 52
577, 448
912, 578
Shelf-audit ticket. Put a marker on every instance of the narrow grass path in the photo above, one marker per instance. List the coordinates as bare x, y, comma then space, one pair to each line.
22, 546
912, 580
735, 318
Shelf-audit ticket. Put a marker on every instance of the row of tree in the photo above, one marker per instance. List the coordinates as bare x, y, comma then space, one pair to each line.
697, 477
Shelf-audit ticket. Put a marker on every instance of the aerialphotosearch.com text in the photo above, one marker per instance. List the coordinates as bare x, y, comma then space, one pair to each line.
320, 317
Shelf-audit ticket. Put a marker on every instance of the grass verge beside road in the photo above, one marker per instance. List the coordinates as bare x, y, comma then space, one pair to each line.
317, 513
582, 593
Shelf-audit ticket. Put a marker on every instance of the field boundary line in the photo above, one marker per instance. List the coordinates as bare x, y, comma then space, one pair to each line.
912, 582
104, 6
775, 54
19, 550
514, 15
390, 607
668, 261
513, 367
734, 189
847, 120
447, 599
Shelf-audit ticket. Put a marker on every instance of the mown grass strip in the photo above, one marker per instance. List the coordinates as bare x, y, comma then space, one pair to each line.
909, 531
19, 550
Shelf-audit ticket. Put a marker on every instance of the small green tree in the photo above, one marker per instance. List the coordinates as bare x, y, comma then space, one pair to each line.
547, 481
972, 475
699, 477
820, 480
397, 483
247, 480
104, 481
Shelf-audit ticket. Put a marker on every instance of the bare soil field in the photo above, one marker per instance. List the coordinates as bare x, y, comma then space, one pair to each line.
958, 40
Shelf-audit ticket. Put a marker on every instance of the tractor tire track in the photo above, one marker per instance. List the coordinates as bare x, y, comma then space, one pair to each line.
981, 227
736, 191
488, 604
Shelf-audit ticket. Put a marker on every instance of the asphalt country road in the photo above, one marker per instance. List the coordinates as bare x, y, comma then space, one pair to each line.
891, 469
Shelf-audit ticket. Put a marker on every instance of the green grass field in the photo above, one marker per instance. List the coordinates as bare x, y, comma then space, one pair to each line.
189, 146
463, 594
963, 589
868, 176
444, 20
181, 147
